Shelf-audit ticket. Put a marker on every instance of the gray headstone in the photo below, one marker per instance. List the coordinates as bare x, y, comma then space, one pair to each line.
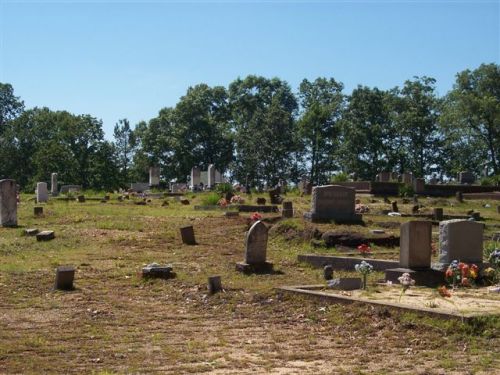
466, 178
53, 184
419, 185
256, 244
415, 244
65, 276
42, 194
8, 203
460, 240
154, 176
333, 202
384, 176
195, 177
407, 178
211, 176
287, 209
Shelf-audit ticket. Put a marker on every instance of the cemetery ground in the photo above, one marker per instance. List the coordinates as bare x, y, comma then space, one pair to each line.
116, 322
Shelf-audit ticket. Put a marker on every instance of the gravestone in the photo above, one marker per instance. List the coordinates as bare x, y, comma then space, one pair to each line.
214, 284
415, 244
460, 240
8, 203
328, 272
305, 187
42, 194
81, 198
384, 176
139, 187
256, 250
53, 184
65, 276
195, 178
287, 211
154, 270
333, 202
46, 235
407, 178
466, 178
211, 176
394, 206
31, 232
65, 189
346, 283
438, 213
38, 211
154, 176
187, 235
459, 196
419, 185
274, 196
218, 177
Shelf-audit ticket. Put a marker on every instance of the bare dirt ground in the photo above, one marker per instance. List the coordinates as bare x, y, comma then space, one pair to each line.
116, 322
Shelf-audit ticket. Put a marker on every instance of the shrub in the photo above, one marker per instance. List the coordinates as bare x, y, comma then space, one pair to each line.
225, 188
406, 191
340, 177
211, 199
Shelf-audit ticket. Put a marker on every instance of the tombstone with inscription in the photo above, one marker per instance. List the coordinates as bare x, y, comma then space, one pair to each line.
8, 203
255, 250
53, 184
42, 194
154, 176
333, 202
195, 178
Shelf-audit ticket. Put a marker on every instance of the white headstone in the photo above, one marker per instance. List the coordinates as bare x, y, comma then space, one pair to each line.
211, 176
42, 194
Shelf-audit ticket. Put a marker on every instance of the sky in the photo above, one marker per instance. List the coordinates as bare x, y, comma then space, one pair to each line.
129, 59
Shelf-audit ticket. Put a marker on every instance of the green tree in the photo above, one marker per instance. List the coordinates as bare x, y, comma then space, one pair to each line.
322, 103
125, 143
10, 105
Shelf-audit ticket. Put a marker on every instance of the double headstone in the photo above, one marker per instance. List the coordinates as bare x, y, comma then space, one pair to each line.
8, 203
333, 202
256, 250
154, 176
42, 194
460, 240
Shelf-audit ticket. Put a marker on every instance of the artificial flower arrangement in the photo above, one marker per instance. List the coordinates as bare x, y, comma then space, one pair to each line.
461, 274
406, 281
222, 202
364, 269
237, 199
255, 216
364, 250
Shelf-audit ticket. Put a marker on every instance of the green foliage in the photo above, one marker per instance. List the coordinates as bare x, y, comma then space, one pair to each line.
406, 191
340, 177
490, 181
222, 189
211, 199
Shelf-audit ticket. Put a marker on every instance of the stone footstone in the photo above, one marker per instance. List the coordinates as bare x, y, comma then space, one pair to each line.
46, 235
65, 276
395, 206
424, 277
38, 211
31, 232
346, 283
214, 284
8, 203
156, 271
187, 235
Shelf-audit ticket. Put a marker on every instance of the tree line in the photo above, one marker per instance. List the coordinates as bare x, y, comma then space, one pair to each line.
257, 130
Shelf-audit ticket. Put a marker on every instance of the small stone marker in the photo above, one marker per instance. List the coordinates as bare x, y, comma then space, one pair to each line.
38, 211
53, 184
31, 232
8, 203
333, 202
256, 250
415, 209
460, 240
287, 209
415, 244
185, 202
328, 272
154, 270
214, 284
46, 235
438, 213
395, 206
42, 194
65, 276
187, 235
346, 283
81, 198
476, 216
459, 196
261, 201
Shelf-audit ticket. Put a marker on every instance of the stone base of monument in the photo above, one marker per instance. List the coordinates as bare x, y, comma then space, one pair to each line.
341, 219
265, 267
46, 235
424, 276
157, 271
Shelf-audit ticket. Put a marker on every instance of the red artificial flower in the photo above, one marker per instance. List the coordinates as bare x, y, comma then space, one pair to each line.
449, 272
256, 216
465, 281
364, 249
443, 292
464, 269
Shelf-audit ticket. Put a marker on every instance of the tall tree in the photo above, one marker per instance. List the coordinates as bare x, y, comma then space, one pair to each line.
124, 144
10, 105
322, 103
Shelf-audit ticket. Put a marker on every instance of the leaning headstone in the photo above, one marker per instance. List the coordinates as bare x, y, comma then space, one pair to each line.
466, 178
211, 176
415, 244
38, 211
65, 276
42, 194
46, 235
256, 250
460, 240
53, 184
154, 176
195, 178
333, 202
187, 235
287, 211
214, 284
438, 213
8, 203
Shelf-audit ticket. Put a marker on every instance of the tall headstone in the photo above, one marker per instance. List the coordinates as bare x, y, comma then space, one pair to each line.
53, 184
218, 177
211, 176
333, 202
415, 244
42, 194
419, 185
460, 240
384, 176
407, 178
154, 176
195, 177
255, 250
8, 203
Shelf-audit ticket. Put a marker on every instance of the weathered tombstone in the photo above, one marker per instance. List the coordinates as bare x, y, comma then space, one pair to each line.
65, 276
8, 203
139, 187
42, 194
195, 178
460, 240
46, 235
419, 185
65, 189
394, 205
255, 250
384, 176
287, 211
407, 178
328, 272
415, 244
274, 196
211, 176
154, 176
333, 202
31, 232
438, 213
53, 184
38, 211
466, 178
187, 235
218, 177
459, 196
154, 270
214, 284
